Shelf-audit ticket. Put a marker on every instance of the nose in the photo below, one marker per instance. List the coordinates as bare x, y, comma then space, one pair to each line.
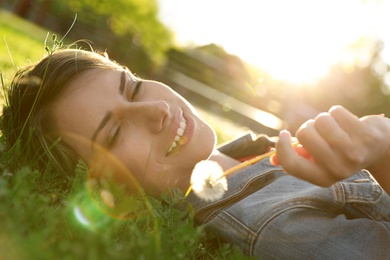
149, 113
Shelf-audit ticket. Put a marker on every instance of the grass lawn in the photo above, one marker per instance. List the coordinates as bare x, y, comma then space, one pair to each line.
20, 43
40, 219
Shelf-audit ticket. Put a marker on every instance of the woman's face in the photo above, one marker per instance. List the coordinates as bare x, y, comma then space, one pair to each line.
154, 132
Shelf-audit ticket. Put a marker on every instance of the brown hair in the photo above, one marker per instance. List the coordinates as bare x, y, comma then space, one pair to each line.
27, 123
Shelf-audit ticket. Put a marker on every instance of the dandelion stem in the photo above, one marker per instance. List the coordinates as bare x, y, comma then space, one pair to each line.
248, 162
188, 191
240, 166
244, 164
252, 161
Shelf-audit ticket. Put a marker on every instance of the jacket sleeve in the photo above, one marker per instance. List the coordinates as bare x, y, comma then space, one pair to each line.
247, 146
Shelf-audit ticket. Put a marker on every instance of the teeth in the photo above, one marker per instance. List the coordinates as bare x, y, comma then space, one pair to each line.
179, 133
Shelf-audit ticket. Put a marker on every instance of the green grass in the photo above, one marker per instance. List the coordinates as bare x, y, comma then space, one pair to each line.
40, 219
21, 42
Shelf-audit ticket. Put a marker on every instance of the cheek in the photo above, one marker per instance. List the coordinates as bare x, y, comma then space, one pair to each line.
111, 172
140, 161
135, 161
207, 140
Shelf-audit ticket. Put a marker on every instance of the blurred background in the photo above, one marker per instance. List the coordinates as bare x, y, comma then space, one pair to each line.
248, 64
245, 64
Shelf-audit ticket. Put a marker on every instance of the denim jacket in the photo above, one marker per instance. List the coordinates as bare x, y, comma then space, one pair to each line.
271, 215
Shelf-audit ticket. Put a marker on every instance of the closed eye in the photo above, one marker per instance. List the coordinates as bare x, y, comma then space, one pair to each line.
136, 89
114, 139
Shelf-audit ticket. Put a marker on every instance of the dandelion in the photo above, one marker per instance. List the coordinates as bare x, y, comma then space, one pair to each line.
208, 181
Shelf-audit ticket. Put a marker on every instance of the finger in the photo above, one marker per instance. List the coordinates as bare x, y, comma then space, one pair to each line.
309, 171
315, 144
345, 119
299, 166
330, 130
328, 163
284, 149
299, 149
285, 142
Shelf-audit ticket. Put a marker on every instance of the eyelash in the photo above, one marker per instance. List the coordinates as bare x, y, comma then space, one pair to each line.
136, 89
114, 138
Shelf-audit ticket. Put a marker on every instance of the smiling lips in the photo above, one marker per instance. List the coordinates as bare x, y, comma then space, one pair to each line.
179, 134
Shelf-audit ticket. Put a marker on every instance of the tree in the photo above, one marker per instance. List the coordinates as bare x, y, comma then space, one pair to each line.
128, 29
138, 18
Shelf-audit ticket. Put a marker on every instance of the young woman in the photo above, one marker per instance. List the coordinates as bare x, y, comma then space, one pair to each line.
78, 104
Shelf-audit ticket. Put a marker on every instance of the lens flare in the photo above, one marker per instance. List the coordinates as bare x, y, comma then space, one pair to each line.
81, 217
110, 188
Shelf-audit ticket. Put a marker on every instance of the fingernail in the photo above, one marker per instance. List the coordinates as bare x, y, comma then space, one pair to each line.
284, 132
284, 135
335, 107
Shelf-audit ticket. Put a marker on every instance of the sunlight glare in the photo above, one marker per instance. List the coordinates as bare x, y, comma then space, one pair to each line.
268, 120
296, 41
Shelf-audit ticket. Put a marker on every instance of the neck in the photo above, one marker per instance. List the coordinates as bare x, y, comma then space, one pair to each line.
225, 161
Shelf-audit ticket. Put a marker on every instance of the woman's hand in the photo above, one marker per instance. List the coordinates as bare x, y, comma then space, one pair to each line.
340, 144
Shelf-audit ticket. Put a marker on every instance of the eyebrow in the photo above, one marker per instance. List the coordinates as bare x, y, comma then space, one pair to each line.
123, 81
108, 115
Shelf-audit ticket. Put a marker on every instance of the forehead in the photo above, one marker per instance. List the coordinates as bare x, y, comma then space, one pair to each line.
92, 78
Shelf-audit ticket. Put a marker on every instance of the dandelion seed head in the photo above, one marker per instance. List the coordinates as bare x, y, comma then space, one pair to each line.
208, 181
